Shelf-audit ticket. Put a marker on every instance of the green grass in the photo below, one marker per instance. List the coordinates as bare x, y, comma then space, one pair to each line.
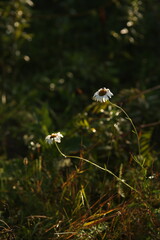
101, 187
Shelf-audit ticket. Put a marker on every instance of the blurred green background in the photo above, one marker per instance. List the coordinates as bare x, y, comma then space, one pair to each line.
53, 56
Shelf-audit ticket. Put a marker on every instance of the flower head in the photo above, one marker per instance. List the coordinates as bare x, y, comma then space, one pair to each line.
102, 95
54, 137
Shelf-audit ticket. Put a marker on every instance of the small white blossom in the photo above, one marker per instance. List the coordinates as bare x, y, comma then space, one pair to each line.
48, 139
102, 95
54, 137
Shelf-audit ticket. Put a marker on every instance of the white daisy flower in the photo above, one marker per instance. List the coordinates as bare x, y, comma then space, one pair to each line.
54, 137
102, 95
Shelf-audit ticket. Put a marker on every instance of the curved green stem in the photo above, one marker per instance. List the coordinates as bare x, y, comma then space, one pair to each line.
135, 130
96, 165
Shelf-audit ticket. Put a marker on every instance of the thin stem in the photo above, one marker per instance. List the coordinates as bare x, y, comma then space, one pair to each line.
135, 130
94, 164
60, 151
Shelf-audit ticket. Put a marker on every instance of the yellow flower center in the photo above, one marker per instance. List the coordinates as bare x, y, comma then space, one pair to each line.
53, 135
102, 92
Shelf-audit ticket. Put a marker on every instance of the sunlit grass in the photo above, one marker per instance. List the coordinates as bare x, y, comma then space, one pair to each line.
98, 182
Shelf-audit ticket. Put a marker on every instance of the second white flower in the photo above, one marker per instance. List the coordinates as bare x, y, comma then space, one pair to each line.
102, 95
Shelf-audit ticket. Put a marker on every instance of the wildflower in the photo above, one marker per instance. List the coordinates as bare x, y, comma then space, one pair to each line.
102, 95
54, 137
